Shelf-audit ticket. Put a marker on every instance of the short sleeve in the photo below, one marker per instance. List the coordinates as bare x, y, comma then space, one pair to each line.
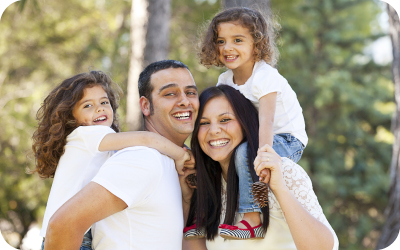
266, 80
227, 79
131, 174
300, 185
91, 136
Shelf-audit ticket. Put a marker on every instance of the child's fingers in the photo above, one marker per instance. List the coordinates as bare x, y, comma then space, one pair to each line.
190, 162
180, 171
179, 166
265, 175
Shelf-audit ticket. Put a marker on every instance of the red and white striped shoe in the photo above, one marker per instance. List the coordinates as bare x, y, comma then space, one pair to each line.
191, 233
234, 233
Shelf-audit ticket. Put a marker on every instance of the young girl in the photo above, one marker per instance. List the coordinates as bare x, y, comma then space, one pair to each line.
242, 40
77, 134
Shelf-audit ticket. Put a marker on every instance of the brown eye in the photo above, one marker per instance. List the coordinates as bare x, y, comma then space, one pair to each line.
226, 120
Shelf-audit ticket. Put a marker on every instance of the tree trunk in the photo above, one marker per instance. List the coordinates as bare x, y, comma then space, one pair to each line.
392, 226
262, 4
150, 43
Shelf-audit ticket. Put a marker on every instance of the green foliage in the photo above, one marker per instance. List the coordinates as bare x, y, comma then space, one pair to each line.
342, 92
346, 98
189, 18
42, 43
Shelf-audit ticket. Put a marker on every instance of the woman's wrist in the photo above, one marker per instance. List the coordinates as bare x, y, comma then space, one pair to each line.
281, 191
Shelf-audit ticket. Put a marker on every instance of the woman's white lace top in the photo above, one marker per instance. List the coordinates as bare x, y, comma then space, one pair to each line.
278, 236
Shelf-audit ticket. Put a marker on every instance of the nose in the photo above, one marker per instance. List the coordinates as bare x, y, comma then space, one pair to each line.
99, 108
215, 129
184, 100
228, 47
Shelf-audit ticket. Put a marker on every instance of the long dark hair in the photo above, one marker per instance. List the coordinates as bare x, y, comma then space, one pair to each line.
206, 201
56, 121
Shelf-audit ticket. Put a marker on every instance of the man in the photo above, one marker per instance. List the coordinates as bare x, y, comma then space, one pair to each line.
136, 197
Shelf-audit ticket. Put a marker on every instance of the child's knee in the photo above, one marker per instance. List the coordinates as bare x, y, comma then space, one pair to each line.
241, 156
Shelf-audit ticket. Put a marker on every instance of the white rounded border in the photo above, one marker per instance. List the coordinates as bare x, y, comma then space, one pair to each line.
5, 3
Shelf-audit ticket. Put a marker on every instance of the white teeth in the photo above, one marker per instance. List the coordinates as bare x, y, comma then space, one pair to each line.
230, 57
219, 143
181, 116
100, 119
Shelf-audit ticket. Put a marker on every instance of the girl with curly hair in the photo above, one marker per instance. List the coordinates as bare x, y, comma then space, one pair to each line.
242, 40
78, 131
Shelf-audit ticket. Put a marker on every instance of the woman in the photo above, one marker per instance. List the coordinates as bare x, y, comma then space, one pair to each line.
293, 218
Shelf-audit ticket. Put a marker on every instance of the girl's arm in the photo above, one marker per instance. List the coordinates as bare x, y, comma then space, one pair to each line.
122, 140
307, 231
266, 116
266, 119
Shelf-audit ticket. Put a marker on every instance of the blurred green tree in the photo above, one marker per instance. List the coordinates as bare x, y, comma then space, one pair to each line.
347, 103
346, 97
39, 47
150, 21
391, 228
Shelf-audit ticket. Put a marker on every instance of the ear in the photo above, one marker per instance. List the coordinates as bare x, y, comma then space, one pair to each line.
144, 105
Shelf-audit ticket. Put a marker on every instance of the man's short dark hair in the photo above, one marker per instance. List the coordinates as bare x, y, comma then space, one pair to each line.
145, 87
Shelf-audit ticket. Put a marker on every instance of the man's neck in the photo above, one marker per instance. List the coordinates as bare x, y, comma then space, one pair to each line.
178, 140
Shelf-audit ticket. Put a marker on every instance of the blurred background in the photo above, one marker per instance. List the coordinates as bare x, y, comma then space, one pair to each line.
336, 55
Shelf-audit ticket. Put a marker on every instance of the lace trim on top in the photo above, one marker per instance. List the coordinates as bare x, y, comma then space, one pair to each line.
299, 183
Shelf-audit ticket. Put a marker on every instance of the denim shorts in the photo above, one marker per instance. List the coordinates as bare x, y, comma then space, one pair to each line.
86, 243
284, 145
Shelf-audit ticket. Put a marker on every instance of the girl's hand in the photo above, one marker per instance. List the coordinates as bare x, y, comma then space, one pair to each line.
180, 163
187, 190
267, 158
189, 164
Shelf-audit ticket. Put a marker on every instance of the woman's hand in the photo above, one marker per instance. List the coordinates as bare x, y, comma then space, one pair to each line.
267, 158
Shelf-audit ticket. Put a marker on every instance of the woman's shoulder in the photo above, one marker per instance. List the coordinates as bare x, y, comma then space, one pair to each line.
294, 174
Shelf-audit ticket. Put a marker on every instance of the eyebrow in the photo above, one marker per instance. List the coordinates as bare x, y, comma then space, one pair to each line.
235, 36
174, 85
226, 113
88, 100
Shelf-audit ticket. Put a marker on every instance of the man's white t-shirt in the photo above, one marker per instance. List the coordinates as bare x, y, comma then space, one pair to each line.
148, 183
264, 80
77, 166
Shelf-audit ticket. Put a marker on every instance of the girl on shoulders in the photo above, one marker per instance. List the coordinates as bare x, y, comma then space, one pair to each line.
78, 131
242, 40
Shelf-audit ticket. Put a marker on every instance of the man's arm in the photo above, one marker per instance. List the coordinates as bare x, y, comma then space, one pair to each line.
68, 225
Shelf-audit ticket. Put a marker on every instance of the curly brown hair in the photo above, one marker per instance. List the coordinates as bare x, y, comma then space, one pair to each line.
262, 28
56, 122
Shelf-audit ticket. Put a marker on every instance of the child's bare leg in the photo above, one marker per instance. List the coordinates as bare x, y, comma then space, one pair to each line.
253, 218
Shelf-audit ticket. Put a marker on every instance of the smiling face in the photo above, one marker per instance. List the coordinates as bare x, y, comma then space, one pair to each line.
220, 132
175, 103
235, 47
94, 108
